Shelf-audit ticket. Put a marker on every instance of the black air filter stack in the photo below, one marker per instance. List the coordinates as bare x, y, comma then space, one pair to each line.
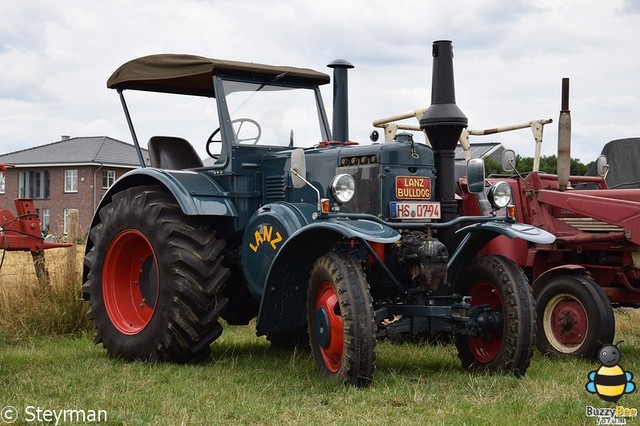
340, 99
443, 122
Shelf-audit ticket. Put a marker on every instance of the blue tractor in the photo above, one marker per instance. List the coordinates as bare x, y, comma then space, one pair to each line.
322, 240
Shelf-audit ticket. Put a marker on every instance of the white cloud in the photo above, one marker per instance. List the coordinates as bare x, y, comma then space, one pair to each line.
510, 57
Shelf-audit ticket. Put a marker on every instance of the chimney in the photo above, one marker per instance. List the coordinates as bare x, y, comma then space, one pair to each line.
443, 122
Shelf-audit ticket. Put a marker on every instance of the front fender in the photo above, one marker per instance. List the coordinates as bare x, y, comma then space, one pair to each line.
512, 230
368, 230
283, 305
475, 237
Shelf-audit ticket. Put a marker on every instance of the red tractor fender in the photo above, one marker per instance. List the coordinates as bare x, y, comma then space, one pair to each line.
545, 277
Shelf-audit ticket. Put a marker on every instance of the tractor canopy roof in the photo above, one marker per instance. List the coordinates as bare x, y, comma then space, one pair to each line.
193, 75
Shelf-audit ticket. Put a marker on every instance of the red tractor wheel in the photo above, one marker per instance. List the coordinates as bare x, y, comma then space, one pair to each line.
341, 320
575, 317
155, 279
130, 281
508, 346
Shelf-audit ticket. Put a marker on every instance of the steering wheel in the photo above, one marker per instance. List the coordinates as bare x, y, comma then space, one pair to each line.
212, 138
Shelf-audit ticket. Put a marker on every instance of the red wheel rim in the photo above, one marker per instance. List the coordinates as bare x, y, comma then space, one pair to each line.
327, 300
565, 322
130, 282
485, 350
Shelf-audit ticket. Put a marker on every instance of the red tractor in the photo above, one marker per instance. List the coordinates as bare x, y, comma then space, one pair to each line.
589, 266
593, 264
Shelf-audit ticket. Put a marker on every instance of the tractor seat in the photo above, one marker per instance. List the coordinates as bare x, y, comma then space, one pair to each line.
170, 152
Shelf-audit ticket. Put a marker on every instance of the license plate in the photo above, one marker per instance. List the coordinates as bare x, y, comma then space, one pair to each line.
414, 210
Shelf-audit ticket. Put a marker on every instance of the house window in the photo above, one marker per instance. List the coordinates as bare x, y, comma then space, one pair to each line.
33, 184
65, 221
108, 178
44, 219
1, 182
70, 181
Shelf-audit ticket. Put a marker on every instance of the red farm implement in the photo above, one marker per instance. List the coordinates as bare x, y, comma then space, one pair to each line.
22, 232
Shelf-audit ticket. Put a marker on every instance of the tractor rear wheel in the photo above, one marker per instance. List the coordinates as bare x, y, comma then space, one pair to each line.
155, 279
341, 320
575, 318
500, 283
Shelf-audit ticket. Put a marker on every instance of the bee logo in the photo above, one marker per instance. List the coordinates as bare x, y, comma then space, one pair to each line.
610, 381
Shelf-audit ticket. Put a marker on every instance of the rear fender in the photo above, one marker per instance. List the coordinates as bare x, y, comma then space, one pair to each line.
475, 237
283, 305
196, 193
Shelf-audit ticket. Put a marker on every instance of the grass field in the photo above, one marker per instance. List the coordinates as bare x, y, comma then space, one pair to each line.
246, 382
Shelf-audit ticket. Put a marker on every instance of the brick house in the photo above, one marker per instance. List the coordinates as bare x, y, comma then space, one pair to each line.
73, 173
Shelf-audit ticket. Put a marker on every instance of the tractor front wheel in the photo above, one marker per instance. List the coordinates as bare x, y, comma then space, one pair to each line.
575, 318
341, 320
155, 277
508, 347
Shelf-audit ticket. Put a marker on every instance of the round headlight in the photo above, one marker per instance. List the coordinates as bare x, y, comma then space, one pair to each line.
500, 195
343, 187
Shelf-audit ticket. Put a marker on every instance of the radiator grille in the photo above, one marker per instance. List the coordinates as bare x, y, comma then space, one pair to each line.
589, 224
367, 196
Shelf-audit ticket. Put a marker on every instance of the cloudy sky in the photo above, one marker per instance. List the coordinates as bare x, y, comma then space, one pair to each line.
510, 58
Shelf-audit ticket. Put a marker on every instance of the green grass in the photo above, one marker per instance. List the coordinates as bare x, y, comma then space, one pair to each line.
246, 382
27, 311
48, 360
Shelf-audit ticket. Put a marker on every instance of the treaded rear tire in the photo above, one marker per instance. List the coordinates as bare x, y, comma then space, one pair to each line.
183, 272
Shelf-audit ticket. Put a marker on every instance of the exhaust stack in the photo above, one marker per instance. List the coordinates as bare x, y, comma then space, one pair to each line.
443, 122
564, 139
340, 100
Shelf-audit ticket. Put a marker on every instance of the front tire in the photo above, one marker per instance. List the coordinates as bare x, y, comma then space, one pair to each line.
341, 320
155, 278
500, 283
575, 317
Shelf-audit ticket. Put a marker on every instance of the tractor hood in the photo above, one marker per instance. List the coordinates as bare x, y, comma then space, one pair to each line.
192, 75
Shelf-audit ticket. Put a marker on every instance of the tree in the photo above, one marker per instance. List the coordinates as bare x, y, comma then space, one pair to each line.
492, 167
548, 164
